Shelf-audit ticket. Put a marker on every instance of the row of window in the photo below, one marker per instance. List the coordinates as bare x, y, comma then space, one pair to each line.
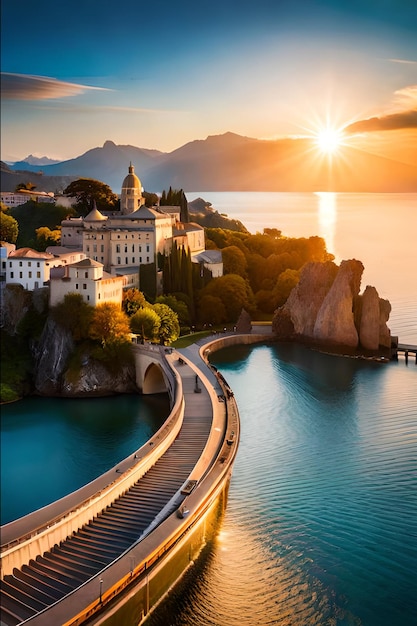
132, 261
29, 263
38, 275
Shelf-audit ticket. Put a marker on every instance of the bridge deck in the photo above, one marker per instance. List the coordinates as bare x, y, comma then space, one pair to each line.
56, 573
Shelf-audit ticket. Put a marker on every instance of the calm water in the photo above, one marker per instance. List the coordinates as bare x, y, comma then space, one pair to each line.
50, 447
320, 526
378, 229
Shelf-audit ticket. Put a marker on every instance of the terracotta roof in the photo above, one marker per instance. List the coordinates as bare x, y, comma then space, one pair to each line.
29, 253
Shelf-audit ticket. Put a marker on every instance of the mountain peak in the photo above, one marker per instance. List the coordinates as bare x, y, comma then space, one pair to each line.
109, 144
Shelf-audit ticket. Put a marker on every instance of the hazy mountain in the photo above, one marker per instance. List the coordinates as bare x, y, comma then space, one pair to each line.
9, 179
33, 164
231, 162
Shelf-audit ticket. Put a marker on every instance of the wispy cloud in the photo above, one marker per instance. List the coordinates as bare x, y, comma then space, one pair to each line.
405, 61
26, 87
403, 114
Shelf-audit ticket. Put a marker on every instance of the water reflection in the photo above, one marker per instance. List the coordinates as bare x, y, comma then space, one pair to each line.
327, 217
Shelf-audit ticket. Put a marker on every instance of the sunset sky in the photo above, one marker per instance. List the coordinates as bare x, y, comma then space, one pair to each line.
162, 73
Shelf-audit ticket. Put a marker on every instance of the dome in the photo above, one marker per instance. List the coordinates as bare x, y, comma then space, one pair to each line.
131, 181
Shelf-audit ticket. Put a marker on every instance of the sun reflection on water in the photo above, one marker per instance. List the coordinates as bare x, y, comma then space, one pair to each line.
327, 211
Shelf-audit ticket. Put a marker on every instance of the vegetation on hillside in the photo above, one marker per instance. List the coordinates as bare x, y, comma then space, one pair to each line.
33, 216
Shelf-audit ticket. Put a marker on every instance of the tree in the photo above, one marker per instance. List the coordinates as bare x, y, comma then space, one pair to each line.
46, 237
9, 228
109, 324
88, 191
169, 329
234, 261
145, 322
133, 299
178, 306
211, 310
286, 282
25, 186
234, 292
74, 314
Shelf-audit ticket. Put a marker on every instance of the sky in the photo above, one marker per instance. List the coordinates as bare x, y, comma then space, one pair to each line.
160, 74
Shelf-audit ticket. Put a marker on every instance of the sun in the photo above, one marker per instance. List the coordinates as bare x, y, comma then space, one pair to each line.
329, 140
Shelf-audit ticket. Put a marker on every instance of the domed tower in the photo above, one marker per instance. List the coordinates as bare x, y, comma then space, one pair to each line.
131, 196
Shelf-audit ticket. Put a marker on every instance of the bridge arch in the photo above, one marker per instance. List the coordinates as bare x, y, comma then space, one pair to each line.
154, 380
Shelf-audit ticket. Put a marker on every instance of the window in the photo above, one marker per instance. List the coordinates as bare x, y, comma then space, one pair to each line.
20, 275
20, 263
147, 248
101, 248
95, 248
76, 286
87, 249
38, 264
140, 259
10, 263
133, 259
30, 274
118, 248
85, 274
38, 274
29, 263
147, 259
84, 286
125, 248
118, 260
140, 248
133, 247
11, 274
88, 297
126, 260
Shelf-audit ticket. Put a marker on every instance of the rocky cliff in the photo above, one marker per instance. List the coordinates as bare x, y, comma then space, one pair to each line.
54, 376
327, 309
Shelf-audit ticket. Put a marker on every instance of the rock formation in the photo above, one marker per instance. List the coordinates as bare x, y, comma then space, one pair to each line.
53, 378
244, 324
326, 308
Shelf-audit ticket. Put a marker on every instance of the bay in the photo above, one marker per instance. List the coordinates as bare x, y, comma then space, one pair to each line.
379, 229
53, 446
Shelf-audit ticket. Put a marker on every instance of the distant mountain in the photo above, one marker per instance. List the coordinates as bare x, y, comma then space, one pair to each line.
33, 164
230, 162
9, 180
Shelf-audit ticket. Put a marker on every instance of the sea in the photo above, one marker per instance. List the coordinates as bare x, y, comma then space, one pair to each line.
320, 526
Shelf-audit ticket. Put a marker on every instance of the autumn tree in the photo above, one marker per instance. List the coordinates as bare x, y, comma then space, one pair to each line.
88, 191
109, 324
9, 228
133, 299
234, 261
211, 310
178, 306
46, 237
286, 282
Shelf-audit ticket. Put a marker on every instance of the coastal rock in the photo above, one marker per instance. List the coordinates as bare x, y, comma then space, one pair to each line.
307, 297
335, 322
244, 324
94, 379
325, 308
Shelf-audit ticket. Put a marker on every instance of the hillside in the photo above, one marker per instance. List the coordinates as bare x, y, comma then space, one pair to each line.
230, 162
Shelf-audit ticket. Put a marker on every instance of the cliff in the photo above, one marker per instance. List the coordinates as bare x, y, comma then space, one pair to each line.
327, 309
54, 375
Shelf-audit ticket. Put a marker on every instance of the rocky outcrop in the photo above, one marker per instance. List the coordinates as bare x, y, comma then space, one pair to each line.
53, 377
327, 309
244, 324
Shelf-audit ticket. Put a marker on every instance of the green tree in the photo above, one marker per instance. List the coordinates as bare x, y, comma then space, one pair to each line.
88, 191
74, 314
133, 299
235, 293
169, 329
46, 237
234, 261
178, 306
145, 322
286, 282
109, 324
9, 228
211, 310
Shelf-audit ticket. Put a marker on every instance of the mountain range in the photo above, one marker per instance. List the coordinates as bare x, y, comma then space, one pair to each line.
227, 162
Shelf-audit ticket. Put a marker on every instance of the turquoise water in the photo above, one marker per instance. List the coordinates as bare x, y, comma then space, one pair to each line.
320, 526
50, 447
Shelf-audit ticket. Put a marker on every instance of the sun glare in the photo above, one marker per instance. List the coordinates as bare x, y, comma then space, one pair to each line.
329, 140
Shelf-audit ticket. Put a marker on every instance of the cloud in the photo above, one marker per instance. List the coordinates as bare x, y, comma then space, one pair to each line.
405, 61
26, 87
404, 114
395, 121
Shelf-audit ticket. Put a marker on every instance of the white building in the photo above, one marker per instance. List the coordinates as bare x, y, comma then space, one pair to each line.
16, 198
87, 278
33, 269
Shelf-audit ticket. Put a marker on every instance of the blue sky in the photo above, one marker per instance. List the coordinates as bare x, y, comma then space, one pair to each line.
160, 74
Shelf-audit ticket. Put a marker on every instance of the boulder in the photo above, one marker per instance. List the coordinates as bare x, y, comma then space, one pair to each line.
369, 319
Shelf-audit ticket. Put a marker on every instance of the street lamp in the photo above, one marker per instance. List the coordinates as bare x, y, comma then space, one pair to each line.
101, 590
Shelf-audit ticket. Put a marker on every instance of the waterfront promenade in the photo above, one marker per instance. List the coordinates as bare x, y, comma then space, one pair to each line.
75, 579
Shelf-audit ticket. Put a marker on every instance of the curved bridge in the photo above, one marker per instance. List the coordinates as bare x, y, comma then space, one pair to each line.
65, 563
